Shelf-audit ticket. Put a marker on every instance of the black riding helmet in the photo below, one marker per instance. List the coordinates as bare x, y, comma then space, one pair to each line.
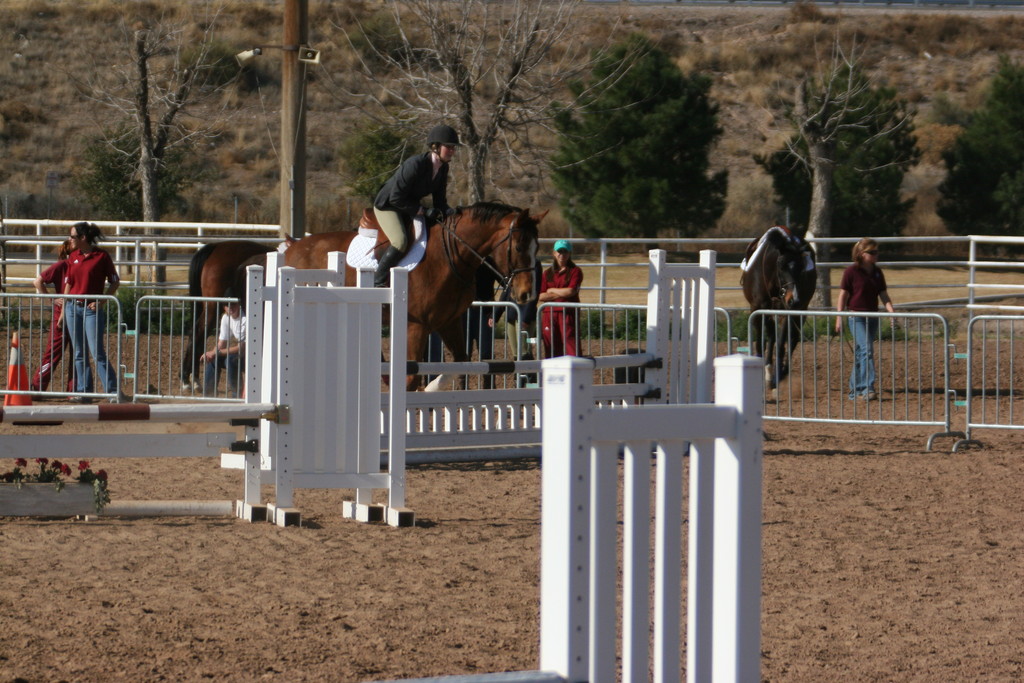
444, 135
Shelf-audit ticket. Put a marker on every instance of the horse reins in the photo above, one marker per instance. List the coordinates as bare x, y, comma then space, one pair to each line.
449, 227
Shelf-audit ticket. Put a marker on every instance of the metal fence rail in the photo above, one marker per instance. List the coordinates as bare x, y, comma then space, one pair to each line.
994, 375
162, 335
32, 319
28, 246
911, 357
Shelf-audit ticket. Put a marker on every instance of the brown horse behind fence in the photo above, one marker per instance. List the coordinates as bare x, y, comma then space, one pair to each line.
440, 287
212, 271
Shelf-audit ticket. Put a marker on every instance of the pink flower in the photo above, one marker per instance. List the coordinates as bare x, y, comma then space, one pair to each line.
42, 461
21, 462
83, 465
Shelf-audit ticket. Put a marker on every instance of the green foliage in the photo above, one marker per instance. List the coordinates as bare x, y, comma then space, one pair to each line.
868, 170
947, 112
127, 299
154, 316
109, 180
634, 160
370, 155
630, 325
983, 192
618, 324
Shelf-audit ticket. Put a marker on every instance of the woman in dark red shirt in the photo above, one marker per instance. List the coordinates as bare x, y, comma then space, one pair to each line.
862, 286
89, 270
561, 282
59, 337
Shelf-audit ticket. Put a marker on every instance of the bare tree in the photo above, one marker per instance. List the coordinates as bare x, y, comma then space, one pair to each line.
167, 67
827, 107
490, 68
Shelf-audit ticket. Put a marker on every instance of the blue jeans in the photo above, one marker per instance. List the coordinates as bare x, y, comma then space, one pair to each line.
211, 376
88, 328
862, 377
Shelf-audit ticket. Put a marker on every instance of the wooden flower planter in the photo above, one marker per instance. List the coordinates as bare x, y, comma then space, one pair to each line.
43, 500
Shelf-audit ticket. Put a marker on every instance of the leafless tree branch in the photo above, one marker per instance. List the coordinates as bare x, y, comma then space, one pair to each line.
492, 69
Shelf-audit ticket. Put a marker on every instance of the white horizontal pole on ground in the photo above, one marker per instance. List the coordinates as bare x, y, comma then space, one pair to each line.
169, 508
91, 446
139, 412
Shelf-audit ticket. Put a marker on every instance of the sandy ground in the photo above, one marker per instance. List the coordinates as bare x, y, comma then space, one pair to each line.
882, 562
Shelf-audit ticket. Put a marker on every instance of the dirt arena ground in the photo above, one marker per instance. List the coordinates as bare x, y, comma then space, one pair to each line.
882, 562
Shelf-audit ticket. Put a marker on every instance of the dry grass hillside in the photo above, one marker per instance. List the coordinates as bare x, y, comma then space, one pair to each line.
50, 48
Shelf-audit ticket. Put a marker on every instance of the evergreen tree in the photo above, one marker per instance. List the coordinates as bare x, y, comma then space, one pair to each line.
634, 160
983, 192
868, 172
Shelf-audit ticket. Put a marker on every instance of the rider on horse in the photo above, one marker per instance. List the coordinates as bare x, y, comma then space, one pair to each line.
398, 201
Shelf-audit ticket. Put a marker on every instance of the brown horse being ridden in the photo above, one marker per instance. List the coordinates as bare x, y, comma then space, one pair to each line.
214, 270
779, 274
441, 285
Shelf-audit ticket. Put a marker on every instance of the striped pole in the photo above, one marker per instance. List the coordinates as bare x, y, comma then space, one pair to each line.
136, 412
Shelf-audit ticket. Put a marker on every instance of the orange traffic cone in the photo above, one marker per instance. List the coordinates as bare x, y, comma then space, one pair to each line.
17, 377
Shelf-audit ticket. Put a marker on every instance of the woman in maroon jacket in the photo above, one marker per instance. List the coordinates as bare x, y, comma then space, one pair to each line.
861, 288
561, 282
59, 337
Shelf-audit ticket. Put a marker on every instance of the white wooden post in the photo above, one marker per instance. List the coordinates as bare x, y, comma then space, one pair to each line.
286, 344
396, 395
658, 321
565, 519
736, 640
700, 572
266, 326
636, 554
705, 329
668, 556
253, 477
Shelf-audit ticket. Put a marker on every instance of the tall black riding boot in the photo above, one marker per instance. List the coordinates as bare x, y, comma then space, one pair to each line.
390, 259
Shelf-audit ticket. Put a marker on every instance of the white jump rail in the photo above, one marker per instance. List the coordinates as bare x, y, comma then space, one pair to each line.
679, 348
137, 445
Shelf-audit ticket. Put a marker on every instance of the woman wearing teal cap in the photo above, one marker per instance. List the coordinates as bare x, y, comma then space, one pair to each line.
561, 282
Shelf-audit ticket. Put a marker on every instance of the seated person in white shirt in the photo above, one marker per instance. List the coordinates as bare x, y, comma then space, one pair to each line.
228, 353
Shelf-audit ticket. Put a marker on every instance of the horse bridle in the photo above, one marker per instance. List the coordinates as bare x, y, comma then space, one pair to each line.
783, 288
449, 227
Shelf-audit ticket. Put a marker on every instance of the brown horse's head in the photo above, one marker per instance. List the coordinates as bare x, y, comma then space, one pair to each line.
516, 255
509, 239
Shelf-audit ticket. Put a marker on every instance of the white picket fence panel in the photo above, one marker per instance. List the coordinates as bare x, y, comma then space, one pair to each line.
580, 529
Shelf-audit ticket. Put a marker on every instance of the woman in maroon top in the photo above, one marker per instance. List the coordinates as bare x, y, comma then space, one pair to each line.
863, 284
89, 269
561, 282
59, 337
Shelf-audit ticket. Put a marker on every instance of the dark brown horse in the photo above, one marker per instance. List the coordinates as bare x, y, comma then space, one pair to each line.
441, 285
779, 274
214, 269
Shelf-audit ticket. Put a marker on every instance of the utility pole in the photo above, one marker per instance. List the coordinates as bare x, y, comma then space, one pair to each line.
293, 120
